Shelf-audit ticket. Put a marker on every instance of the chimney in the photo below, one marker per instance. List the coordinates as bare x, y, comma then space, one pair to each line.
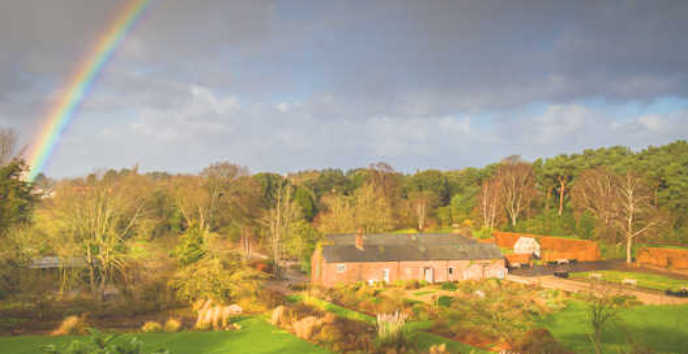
359, 239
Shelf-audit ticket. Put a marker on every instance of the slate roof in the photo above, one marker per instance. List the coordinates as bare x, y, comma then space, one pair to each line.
407, 247
54, 262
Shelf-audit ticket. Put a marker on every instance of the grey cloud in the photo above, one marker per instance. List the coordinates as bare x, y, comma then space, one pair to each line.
404, 81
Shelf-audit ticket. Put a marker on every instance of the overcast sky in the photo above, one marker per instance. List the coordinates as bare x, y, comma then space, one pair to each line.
290, 85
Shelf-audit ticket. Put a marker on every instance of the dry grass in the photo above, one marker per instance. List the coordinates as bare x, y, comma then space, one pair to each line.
151, 326
172, 325
71, 325
215, 316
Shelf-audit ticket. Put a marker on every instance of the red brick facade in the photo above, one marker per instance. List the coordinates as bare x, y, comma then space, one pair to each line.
329, 274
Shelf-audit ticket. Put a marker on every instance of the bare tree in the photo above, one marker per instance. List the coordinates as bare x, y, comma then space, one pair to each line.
624, 203
278, 219
595, 192
602, 310
421, 203
517, 182
97, 215
489, 201
636, 215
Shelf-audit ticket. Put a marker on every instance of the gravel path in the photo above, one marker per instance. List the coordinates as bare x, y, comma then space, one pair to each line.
647, 297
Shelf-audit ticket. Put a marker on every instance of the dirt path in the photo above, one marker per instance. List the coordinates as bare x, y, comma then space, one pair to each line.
647, 297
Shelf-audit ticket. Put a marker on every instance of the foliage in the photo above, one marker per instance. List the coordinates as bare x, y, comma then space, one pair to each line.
18, 197
449, 286
191, 247
223, 280
99, 343
445, 301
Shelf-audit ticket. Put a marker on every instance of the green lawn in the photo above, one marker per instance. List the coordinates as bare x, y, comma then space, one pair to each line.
645, 280
335, 309
256, 336
663, 328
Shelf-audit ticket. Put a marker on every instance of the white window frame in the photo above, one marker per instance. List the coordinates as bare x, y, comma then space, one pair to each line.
341, 268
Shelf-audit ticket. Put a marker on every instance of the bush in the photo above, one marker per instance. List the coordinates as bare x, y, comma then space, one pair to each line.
172, 325
151, 326
101, 343
445, 301
449, 286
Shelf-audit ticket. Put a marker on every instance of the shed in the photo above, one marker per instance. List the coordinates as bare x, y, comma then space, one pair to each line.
527, 245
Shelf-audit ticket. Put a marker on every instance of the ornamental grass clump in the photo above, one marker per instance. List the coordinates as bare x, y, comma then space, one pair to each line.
390, 329
172, 325
151, 327
71, 325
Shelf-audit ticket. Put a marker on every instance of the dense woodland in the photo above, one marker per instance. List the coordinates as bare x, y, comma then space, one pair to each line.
194, 225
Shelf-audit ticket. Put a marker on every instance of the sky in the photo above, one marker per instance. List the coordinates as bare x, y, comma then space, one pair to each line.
290, 85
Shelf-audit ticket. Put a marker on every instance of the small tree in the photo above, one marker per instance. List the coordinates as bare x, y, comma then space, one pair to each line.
603, 309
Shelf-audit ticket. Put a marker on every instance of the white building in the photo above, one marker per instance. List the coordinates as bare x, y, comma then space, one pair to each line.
527, 245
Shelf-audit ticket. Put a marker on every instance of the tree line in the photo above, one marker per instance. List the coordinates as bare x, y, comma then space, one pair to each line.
610, 194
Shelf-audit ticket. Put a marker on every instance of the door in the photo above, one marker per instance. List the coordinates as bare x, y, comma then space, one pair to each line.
429, 275
385, 275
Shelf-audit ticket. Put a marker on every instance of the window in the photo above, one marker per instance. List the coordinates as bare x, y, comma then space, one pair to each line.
450, 270
341, 268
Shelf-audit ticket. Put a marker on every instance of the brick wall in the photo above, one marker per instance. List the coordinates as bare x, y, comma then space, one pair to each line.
663, 257
553, 248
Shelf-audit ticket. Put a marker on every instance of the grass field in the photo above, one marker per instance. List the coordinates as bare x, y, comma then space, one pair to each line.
662, 328
256, 336
645, 280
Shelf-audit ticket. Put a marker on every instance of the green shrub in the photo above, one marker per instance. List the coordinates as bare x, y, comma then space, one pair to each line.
445, 301
98, 342
449, 286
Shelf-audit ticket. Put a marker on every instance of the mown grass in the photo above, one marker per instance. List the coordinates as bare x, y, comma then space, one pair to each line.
424, 292
663, 328
645, 280
256, 336
335, 309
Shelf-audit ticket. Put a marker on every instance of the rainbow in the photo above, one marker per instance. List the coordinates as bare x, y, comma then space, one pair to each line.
79, 85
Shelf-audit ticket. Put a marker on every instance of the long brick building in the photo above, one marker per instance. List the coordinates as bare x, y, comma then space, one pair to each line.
386, 257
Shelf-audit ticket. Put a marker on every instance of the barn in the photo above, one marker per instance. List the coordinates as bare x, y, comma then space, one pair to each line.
347, 258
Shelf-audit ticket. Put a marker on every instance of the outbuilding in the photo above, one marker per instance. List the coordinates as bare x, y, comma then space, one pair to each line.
348, 258
527, 245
